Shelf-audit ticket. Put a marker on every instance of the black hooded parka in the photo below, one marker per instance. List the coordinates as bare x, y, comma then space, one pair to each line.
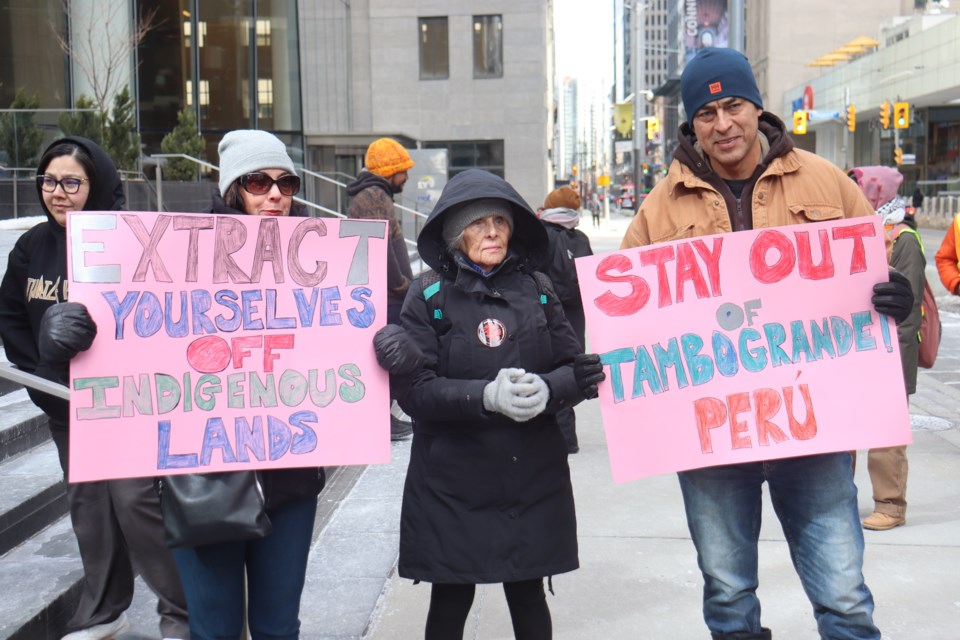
36, 276
486, 499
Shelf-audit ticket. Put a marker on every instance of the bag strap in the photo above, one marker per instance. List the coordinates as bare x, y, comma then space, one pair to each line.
901, 228
430, 283
546, 291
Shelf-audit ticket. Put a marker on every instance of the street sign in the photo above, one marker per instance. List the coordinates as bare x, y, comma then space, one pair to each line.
909, 158
603, 181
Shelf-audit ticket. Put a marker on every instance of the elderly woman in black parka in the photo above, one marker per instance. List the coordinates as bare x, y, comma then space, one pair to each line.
488, 497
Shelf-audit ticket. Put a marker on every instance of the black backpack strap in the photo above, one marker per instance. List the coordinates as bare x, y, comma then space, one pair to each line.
546, 291
430, 285
430, 282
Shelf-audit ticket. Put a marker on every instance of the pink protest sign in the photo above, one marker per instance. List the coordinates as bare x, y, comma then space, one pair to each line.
745, 346
226, 343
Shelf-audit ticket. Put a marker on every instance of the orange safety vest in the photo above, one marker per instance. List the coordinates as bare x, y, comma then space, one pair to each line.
956, 236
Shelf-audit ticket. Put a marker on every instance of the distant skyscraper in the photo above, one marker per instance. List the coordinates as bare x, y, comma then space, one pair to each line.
567, 122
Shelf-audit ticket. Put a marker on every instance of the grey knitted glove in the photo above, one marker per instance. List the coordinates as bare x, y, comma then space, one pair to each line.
516, 394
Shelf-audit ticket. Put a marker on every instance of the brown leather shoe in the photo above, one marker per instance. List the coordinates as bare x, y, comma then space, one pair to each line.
877, 521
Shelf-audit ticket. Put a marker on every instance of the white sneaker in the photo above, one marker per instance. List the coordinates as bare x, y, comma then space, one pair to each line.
106, 631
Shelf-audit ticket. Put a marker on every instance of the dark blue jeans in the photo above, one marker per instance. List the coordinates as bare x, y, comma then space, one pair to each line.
816, 502
275, 566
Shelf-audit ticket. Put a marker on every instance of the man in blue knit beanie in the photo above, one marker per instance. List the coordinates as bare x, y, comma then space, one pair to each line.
736, 168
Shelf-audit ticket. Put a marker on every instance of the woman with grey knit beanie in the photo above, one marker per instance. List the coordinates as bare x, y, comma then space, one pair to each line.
257, 177
259, 582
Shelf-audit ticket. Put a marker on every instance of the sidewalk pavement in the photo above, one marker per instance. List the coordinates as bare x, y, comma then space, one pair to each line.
638, 575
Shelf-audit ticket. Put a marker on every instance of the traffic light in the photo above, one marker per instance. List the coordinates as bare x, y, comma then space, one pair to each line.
851, 118
901, 115
575, 169
885, 114
653, 126
800, 122
898, 156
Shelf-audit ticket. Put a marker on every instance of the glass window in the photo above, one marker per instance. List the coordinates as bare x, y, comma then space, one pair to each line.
249, 69
165, 71
472, 154
487, 46
278, 66
434, 49
224, 62
29, 56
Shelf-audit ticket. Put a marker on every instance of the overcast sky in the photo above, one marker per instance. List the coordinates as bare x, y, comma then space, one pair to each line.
584, 41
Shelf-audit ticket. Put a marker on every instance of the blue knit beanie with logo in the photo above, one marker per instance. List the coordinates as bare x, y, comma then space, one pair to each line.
714, 74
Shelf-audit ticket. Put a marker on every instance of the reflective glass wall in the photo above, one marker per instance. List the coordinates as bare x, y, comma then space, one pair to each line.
29, 56
234, 62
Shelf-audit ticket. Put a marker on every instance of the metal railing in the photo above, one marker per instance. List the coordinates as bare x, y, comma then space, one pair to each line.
20, 177
414, 224
213, 167
9, 372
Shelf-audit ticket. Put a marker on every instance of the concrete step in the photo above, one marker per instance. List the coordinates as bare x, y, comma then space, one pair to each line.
22, 425
42, 579
32, 494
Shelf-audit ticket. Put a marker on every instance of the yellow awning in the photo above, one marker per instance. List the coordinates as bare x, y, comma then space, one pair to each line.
864, 41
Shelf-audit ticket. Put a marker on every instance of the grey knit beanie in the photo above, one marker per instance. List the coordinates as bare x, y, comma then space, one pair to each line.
454, 222
246, 150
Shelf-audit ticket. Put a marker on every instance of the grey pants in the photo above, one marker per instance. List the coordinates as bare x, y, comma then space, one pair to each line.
119, 530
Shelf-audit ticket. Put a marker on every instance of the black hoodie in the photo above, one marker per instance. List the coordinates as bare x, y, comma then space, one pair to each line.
36, 276
528, 239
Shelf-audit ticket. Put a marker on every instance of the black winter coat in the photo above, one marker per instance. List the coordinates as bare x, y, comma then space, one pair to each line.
486, 499
565, 246
36, 278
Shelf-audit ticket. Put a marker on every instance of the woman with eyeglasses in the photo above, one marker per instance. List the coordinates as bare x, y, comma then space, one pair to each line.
117, 523
257, 178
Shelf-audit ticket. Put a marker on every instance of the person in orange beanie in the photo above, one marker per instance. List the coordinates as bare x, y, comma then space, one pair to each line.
387, 163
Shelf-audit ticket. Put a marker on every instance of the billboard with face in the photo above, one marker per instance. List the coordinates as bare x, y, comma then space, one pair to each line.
706, 24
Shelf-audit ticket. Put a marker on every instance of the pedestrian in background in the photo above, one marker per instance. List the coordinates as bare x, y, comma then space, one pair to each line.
117, 523
262, 578
596, 208
487, 497
384, 175
948, 259
734, 154
888, 465
560, 215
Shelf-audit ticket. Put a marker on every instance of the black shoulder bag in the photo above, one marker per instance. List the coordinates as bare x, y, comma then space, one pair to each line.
202, 509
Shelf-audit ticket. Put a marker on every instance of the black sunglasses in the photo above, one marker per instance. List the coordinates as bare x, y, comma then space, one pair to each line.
259, 184
69, 185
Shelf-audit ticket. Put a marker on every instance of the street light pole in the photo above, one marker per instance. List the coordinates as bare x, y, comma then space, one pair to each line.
639, 103
639, 97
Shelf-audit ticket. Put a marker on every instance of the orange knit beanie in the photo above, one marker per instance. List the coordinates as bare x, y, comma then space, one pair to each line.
566, 197
386, 157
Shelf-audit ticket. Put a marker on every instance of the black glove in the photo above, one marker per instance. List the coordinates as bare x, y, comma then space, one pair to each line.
66, 329
396, 351
588, 372
894, 298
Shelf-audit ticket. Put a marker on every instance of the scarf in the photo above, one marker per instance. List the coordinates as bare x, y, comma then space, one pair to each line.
566, 218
